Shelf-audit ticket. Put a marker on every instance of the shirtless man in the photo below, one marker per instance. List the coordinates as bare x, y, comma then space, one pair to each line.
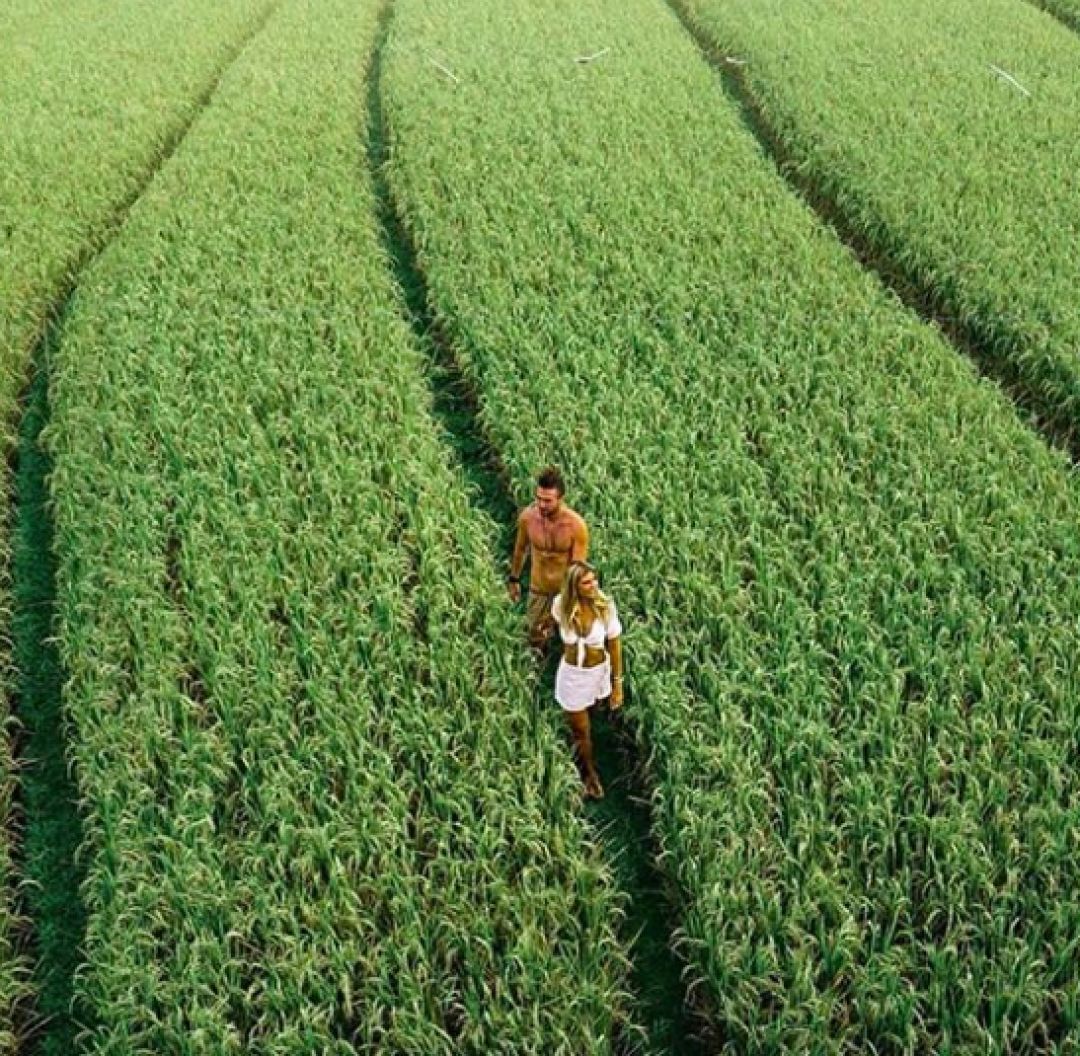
553, 535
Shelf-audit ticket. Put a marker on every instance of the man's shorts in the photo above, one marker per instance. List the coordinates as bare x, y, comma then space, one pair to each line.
538, 618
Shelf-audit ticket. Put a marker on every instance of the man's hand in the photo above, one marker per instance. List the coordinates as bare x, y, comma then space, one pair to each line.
616, 695
513, 588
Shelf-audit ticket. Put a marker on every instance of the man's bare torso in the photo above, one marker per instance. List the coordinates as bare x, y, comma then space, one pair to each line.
553, 543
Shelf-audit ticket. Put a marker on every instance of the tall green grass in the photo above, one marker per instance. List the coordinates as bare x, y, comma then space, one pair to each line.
91, 97
946, 134
850, 575
323, 814
24, 25
90, 94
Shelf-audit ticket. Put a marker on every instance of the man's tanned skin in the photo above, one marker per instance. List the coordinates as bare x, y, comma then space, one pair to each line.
552, 535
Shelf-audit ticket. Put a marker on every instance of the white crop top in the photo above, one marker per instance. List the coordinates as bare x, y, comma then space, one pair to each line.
598, 632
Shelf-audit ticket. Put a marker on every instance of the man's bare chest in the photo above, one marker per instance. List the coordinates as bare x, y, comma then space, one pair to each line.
551, 538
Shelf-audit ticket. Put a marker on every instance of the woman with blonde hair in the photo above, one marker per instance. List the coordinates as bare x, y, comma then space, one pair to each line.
591, 665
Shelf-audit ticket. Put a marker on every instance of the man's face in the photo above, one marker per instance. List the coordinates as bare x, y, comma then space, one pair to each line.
548, 501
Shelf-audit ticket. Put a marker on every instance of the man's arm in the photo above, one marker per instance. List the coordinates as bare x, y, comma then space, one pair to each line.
579, 548
517, 559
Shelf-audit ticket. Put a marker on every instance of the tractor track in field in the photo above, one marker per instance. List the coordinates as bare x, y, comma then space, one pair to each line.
46, 803
621, 821
1041, 414
46, 822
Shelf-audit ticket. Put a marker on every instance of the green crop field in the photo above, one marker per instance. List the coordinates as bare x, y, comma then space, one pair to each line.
947, 137
90, 94
852, 570
308, 833
295, 298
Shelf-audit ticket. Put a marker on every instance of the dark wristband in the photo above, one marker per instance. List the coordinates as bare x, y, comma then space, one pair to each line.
513, 579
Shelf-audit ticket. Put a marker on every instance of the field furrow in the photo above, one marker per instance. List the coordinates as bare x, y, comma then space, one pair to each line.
850, 571
946, 136
1031, 403
46, 865
323, 815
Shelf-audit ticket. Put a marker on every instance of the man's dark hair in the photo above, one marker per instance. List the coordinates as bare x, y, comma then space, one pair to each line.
551, 477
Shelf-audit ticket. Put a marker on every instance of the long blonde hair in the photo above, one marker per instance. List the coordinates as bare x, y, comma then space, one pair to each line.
576, 613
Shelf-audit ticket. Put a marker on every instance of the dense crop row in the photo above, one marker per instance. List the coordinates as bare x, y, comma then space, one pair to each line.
947, 135
22, 25
323, 816
89, 92
851, 576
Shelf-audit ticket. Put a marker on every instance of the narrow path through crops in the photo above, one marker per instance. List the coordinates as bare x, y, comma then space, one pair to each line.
1040, 413
455, 402
621, 819
49, 825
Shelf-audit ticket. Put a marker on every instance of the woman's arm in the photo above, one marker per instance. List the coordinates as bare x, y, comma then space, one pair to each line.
615, 651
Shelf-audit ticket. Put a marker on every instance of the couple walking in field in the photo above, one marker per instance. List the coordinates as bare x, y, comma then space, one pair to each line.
564, 594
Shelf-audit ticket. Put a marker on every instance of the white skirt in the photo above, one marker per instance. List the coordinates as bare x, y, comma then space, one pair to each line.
578, 688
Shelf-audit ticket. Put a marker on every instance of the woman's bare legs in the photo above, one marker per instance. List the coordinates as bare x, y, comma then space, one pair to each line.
582, 733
